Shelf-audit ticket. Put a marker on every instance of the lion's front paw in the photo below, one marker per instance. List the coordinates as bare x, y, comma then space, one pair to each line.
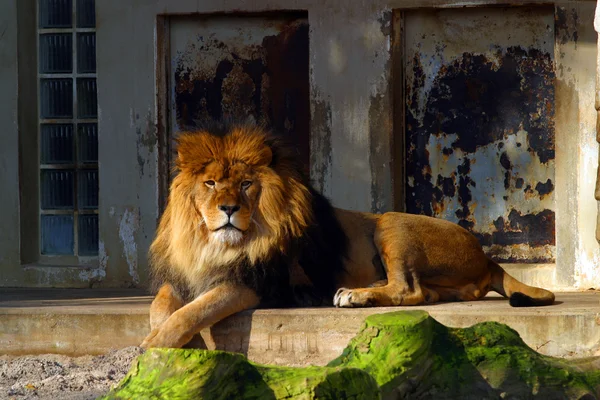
147, 343
163, 338
342, 298
353, 298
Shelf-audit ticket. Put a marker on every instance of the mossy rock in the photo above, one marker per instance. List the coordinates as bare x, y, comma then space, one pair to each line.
395, 355
204, 374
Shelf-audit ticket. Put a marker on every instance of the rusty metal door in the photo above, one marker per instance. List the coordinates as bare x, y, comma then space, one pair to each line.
248, 65
480, 125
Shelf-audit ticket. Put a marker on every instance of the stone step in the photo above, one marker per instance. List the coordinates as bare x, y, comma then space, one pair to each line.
94, 321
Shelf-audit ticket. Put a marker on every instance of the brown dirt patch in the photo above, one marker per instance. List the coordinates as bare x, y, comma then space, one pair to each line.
51, 376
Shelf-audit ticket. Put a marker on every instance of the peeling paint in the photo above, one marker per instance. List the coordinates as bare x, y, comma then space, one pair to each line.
380, 114
380, 126
350, 162
566, 23
92, 276
577, 52
61, 277
131, 117
102, 255
480, 126
320, 158
242, 67
128, 227
147, 140
385, 23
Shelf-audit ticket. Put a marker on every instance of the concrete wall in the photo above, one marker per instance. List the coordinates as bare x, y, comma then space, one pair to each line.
578, 253
354, 153
9, 144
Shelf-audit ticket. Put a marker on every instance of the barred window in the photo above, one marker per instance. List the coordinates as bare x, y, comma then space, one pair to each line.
68, 128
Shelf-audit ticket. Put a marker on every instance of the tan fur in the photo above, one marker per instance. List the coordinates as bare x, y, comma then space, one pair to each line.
426, 260
423, 260
206, 310
273, 209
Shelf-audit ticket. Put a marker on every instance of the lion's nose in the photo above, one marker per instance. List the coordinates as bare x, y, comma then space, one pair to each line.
229, 210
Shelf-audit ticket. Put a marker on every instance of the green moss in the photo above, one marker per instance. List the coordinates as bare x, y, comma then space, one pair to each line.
504, 360
393, 348
203, 374
171, 374
395, 355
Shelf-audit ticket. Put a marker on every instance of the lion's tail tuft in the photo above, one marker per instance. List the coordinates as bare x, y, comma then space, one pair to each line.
519, 294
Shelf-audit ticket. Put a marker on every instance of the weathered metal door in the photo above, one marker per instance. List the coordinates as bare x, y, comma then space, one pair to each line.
241, 65
480, 113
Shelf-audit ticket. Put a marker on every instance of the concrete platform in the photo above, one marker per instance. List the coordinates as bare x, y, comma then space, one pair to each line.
84, 321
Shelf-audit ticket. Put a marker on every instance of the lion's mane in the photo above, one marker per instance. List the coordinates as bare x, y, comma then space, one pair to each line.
296, 226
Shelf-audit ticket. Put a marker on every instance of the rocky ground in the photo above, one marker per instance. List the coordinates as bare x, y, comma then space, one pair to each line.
396, 355
57, 377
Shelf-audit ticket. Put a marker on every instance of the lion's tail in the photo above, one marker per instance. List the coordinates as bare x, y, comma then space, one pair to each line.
518, 293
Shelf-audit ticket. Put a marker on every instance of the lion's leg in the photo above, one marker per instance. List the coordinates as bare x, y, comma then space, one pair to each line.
206, 310
164, 304
405, 294
380, 283
466, 292
401, 260
402, 289
383, 296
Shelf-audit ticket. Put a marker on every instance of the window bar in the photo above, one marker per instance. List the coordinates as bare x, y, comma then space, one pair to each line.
75, 132
39, 128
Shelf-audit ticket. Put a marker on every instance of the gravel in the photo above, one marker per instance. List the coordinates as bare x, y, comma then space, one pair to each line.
56, 377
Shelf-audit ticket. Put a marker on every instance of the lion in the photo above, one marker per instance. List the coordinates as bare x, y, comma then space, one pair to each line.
243, 228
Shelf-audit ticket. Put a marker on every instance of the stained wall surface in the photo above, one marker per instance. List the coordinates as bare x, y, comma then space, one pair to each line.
484, 112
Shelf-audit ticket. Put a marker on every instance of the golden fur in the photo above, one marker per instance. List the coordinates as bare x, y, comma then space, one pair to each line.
270, 219
243, 226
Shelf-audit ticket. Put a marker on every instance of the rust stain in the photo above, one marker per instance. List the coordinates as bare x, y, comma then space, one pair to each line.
162, 141
380, 123
480, 149
565, 22
267, 81
321, 159
147, 139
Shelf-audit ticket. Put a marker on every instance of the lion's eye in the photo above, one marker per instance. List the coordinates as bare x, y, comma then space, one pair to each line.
246, 184
210, 184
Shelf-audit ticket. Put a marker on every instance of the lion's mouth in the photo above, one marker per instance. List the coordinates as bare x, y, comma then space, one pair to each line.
229, 234
228, 226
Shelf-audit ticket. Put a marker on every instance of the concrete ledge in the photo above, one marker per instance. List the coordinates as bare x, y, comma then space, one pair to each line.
82, 321
540, 275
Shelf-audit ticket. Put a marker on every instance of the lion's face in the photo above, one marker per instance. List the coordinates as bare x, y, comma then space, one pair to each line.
241, 189
227, 197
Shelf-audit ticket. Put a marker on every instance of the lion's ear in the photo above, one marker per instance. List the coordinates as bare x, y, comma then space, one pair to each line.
180, 156
195, 151
184, 158
265, 156
260, 157
184, 145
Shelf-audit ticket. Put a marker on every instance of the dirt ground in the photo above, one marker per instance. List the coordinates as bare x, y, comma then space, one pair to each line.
58, 377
